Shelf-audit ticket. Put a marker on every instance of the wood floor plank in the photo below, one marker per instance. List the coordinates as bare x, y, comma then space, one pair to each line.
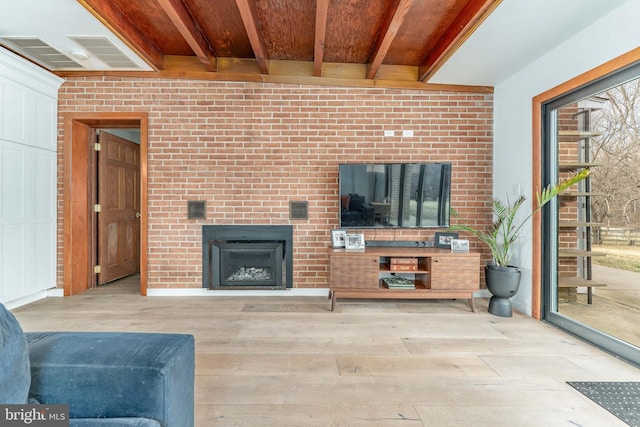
289, 361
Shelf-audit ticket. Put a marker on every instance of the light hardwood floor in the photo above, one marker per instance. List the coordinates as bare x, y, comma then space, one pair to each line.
289, 361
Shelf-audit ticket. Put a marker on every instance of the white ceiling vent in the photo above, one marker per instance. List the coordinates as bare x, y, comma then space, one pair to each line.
41, 52
104, 50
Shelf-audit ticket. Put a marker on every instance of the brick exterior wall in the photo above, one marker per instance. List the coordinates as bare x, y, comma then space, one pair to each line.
568, 153
570, 119
248, 149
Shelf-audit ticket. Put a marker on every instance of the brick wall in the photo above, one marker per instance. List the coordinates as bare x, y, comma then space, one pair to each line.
568, 153
250, 148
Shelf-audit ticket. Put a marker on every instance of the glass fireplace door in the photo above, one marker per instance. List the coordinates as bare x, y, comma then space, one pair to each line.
250, 265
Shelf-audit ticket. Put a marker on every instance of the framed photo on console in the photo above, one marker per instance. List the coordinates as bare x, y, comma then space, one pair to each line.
443, 239
337, 238
459, 246
354, 242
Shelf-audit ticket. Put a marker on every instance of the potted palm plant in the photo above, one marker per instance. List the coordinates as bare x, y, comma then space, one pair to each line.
503, 279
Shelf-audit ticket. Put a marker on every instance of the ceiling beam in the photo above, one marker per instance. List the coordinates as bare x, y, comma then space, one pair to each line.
251, 25
387, 34
334, 74
190, 30
119, 24
470, 18
322, 8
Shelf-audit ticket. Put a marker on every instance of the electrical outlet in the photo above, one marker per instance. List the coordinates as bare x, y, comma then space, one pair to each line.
407, 133
388, 133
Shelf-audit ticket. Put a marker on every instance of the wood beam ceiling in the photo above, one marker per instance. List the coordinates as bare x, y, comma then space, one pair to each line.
387, 34
322, 8
251, 24
190, 30
473, 14
169, 30
118, 23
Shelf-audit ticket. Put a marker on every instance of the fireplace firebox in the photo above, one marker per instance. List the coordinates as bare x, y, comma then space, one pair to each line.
250, 264
247, 257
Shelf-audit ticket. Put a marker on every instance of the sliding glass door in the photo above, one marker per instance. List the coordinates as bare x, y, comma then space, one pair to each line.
591, 234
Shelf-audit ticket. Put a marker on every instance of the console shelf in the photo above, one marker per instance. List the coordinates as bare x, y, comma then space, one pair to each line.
438, 274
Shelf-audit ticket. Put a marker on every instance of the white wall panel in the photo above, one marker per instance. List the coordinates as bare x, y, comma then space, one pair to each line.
45, 123
13, 261
13, 183
44, 271
1, 104
14, 113
44, 218
28, 220
44, 185
28, 142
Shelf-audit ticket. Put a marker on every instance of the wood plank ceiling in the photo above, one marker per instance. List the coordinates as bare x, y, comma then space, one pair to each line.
345, 42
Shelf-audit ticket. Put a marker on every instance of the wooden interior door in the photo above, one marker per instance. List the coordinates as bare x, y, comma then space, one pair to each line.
119, 200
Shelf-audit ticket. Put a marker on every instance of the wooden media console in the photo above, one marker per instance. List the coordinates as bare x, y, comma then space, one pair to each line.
438, 274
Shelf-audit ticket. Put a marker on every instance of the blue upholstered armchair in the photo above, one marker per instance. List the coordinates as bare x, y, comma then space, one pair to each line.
107, 378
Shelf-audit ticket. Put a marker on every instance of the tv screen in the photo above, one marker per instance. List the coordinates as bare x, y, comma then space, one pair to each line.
396, 195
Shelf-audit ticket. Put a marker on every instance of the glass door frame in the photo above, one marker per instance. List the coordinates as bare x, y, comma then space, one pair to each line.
545, 109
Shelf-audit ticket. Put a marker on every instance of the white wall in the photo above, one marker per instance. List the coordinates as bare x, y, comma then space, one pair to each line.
132, 135
28, 129
612, 35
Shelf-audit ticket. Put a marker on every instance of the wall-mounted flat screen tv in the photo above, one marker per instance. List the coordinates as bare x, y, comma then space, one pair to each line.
396, 195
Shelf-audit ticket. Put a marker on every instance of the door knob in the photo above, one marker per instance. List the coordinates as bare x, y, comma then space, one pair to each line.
138, 215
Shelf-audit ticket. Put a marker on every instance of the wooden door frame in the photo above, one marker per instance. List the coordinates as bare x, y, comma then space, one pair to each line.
77, 177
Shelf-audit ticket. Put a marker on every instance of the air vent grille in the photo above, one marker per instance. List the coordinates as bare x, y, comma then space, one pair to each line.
42, 52
104, 50
196, 209
299, 210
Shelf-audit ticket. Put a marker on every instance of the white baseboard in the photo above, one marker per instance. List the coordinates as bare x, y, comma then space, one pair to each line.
28, 299
190, 292
55, 292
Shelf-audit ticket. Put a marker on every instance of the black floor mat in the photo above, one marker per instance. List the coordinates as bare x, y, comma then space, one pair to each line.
622, 399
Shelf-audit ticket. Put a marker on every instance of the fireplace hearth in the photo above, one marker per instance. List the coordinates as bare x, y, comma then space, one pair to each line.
247, 256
